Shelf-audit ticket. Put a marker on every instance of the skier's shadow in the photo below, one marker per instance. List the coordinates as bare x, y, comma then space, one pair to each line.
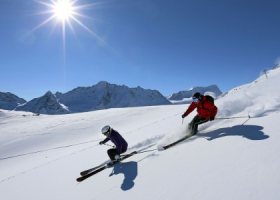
130, 171
251, 132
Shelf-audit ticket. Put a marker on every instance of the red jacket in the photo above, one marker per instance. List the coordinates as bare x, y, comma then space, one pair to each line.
205, 108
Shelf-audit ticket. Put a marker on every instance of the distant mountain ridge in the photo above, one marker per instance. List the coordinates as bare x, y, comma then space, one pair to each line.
213, 89
103, 95
46, 104
100, 96
9, 101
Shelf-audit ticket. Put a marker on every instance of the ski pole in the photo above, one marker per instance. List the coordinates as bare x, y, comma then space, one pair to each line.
233, 117
109, 145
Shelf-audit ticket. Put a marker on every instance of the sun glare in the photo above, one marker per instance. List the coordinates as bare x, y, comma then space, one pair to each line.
66, 13
63, 10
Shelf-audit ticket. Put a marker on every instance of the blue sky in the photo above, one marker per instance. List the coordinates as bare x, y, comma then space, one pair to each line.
168, 45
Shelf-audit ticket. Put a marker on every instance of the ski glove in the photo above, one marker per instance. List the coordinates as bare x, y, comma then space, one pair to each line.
212, 118
183, 116
101, 142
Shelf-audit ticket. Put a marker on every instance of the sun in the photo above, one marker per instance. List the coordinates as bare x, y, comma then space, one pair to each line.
63, 10
66, 13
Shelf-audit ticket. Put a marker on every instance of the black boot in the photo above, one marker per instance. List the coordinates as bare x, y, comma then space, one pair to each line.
194, 132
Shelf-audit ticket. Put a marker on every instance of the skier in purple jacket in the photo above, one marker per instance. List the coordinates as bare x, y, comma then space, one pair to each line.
117, 139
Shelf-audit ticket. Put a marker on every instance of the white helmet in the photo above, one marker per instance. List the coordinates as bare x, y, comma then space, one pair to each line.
106, 130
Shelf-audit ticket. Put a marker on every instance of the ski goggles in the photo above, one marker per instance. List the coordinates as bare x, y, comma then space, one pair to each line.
195, 99
107, 133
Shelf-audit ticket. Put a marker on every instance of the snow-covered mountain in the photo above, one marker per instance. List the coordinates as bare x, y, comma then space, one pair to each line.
100, 96
234, 158
105, 95
9, 101
47, 104
213, 89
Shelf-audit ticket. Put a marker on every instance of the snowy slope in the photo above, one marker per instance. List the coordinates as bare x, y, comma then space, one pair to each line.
228, 159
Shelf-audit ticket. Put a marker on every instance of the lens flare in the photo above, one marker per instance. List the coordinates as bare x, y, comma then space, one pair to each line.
66, 12
63, 10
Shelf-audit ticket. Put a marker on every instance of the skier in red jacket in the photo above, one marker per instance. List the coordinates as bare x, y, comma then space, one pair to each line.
206, 110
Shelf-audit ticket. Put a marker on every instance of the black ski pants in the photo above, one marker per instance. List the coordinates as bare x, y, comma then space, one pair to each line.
193, 125
113, 152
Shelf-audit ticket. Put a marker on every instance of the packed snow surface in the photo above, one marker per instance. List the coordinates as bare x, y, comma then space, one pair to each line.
236, 158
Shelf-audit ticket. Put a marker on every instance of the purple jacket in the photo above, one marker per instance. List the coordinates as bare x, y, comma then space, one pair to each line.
118, 140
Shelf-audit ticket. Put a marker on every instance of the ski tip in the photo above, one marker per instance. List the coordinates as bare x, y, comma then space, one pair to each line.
160, 148
79, 180
165, 147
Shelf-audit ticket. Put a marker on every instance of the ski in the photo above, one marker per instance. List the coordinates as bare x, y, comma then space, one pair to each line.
85, 172
176, 142
101, 168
